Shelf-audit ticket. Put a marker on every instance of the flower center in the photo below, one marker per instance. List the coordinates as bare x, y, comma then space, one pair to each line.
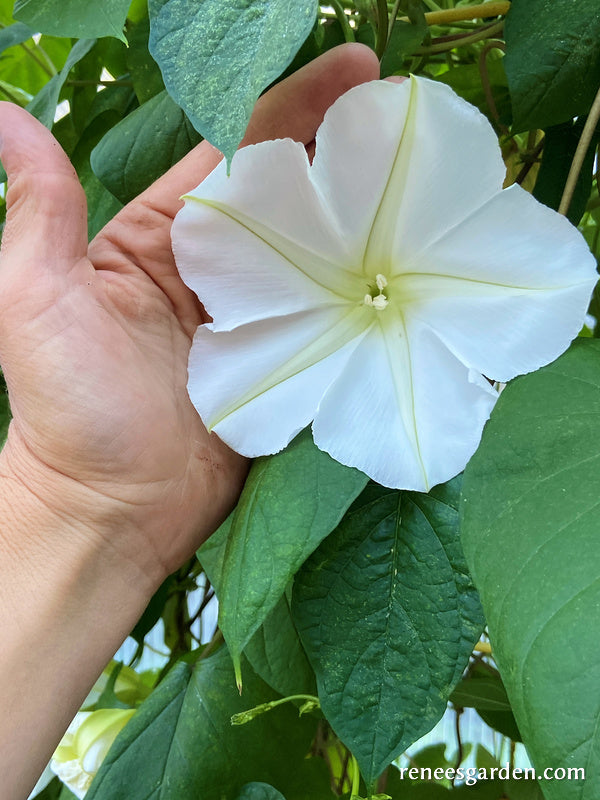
377, 297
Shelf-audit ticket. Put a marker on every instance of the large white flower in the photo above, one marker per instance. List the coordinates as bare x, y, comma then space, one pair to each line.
372, 291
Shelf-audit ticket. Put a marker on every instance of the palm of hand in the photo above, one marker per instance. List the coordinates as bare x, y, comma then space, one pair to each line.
95, 350
94, 343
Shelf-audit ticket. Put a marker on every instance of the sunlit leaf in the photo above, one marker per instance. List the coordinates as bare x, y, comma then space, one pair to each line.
238, 49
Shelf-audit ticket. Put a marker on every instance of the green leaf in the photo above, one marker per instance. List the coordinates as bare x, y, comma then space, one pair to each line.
144, 71
552, 60
560, 144
276, 654
15, 34
153, 611
479, 692
484, 691
6, 9
404, 789
517, 789
181, 744
465, 79
405, 38
432, 757
367, 9
142, 147
290, 502
15, 95
106, 54
238, 49
27, 68
388, 616
66, 794
55, 790
43, 105
530, 520
259, 791
72, 18
101, 204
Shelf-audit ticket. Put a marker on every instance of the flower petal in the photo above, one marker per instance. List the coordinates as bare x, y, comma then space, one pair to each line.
404, 410
260, 243
356, 146
449, 164
506, 289
258, 385
401, 163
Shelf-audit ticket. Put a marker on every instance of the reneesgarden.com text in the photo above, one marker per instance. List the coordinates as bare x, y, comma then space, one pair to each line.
471, 775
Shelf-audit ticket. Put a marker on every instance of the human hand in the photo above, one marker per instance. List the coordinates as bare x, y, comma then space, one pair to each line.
94, 342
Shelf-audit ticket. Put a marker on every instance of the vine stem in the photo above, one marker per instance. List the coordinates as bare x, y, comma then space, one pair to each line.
495, 44
342, 18
496, 8
459, 744
580, 153
392, 19
450, 43
383, 27
97, 83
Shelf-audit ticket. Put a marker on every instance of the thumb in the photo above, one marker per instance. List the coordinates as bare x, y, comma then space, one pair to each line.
46, 216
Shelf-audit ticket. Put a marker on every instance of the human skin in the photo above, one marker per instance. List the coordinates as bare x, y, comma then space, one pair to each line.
108, 479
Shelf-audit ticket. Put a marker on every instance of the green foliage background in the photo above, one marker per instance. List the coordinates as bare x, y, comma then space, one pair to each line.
354, 602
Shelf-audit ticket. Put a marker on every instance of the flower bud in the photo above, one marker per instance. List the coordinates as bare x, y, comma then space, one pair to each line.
84, 746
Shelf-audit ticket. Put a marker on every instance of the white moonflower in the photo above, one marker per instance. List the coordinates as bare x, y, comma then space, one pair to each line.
370, 292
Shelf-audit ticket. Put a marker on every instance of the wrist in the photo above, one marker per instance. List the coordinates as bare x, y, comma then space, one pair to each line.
66, 524
69, 596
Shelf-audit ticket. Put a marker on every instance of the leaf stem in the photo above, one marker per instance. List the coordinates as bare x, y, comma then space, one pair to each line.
246, 716
355, 778
13, 98
582, 147
46, 57
37, 60
342, 18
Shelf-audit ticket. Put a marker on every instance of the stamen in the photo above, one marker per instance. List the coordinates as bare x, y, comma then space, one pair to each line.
380, 302
377, 301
